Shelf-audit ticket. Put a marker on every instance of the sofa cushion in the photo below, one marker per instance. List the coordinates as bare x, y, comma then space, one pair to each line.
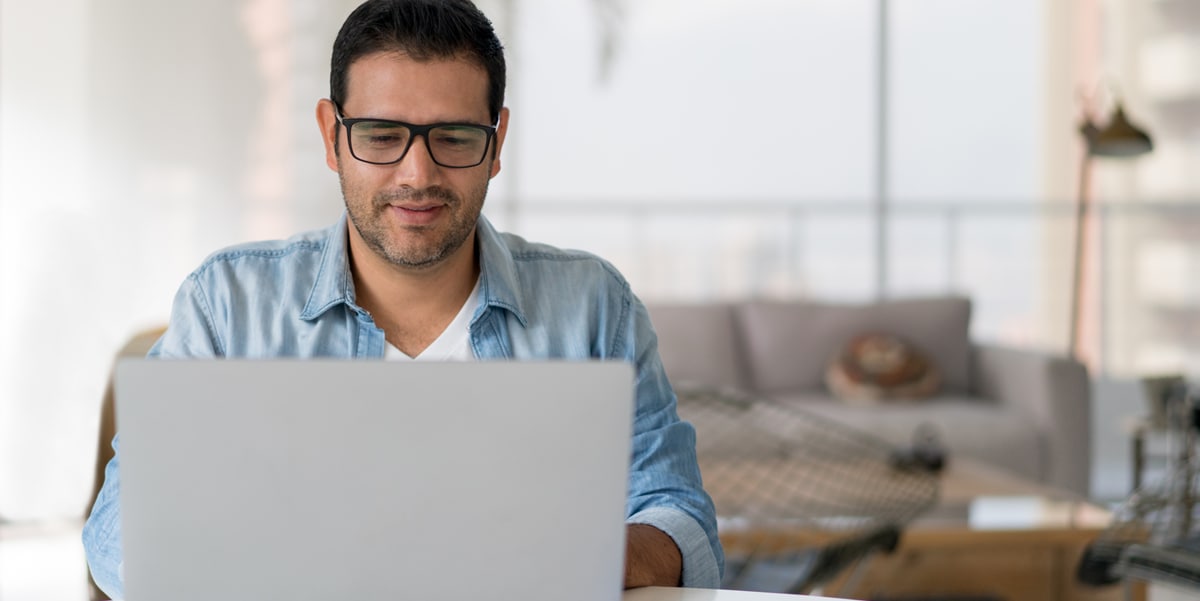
788, 344
873, 368
697, 344
967, 427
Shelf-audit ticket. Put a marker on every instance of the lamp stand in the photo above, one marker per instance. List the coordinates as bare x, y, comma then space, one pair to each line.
1121, 139
1082, 209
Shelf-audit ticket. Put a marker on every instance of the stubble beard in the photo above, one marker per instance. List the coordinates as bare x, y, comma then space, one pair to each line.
414, 250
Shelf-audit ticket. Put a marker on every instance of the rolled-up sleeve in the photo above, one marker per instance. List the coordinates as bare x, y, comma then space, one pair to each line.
700, 567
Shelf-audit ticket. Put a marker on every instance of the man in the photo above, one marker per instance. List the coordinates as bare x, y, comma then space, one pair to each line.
414, 127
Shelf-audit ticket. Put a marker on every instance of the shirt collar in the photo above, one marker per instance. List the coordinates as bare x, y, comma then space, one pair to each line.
334, 284
500, 284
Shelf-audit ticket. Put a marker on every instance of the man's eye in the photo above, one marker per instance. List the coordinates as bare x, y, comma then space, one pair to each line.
381, 139
452, 141
380, 134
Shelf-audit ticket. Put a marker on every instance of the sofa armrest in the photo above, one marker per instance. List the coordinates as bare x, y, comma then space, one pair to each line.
1055, 392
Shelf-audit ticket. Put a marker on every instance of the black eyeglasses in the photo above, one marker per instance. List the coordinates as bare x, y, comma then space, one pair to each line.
384, 142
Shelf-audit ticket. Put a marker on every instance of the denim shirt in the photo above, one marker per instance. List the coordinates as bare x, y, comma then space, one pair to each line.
295, 298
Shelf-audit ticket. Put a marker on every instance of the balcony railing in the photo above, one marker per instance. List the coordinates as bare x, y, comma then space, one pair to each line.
1014, 259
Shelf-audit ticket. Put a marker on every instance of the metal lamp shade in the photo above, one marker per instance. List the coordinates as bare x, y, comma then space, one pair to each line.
1119, 138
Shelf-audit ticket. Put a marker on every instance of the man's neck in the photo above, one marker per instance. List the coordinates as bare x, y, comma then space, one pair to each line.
412, 306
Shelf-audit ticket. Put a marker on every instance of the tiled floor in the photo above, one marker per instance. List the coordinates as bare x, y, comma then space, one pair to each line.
42, 562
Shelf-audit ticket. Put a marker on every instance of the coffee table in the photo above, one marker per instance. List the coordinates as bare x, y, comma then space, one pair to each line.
992, 535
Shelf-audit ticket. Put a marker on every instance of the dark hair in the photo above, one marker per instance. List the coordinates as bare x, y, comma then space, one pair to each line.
424, 30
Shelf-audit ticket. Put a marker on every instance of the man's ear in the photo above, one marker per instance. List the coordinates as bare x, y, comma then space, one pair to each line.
501, 131
327, 121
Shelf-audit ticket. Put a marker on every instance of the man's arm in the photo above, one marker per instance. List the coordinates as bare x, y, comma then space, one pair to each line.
665, 490
102, 532
651, 558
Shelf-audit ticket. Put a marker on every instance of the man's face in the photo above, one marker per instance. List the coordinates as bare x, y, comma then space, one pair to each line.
414, 214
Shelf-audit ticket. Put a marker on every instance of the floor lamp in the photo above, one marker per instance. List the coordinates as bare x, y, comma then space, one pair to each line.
1118, 139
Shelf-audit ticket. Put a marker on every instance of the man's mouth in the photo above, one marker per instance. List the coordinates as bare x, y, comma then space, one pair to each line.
416, 214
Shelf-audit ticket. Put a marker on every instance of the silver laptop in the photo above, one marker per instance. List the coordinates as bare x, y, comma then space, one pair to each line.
334, 479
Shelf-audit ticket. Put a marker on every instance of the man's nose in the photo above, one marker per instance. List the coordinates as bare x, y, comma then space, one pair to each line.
417, 168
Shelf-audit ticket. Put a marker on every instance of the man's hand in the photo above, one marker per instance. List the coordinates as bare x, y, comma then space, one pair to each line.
651, 558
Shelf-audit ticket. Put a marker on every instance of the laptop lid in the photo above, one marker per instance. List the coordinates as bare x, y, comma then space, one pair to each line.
336, 479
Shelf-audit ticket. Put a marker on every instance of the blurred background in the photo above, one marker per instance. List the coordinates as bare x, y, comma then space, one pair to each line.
840, 149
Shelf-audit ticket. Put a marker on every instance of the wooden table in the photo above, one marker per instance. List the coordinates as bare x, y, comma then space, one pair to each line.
991, 535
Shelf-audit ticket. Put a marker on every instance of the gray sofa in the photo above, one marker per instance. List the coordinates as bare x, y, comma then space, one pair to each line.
1022, 410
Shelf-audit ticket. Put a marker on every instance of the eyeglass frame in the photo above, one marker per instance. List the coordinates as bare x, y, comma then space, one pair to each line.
415, 130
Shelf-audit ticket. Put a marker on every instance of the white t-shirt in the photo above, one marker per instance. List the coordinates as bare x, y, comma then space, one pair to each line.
454, 343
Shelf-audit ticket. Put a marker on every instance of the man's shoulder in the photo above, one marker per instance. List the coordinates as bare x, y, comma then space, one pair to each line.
527, 255
300, 250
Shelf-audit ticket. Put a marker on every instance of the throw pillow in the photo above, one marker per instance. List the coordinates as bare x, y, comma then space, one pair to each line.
877, 367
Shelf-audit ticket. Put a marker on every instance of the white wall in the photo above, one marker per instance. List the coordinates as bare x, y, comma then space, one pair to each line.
135, 137
706, 100
44, 204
